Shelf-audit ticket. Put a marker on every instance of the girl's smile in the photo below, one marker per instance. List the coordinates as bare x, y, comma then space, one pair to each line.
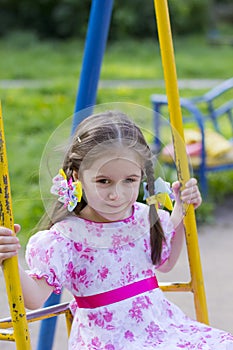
111, 186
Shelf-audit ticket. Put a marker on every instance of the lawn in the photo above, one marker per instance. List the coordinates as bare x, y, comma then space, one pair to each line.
47, 74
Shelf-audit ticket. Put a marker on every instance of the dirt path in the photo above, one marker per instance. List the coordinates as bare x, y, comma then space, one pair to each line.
216, 243
194, 84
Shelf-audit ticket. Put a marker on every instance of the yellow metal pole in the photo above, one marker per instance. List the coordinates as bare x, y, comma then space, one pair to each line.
10, 266
169, 68
69, 321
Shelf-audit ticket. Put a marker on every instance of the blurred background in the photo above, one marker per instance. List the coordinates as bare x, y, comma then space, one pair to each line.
68, 18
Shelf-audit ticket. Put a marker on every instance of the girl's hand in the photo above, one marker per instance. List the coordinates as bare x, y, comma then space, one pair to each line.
9, 244
190, 194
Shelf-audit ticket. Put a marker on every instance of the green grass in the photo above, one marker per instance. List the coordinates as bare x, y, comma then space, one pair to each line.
31, 114
23, 56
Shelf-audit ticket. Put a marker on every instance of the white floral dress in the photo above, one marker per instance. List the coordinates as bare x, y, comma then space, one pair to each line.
89, 258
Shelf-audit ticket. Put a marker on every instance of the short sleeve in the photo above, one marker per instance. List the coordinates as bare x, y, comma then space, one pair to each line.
47, 255
169, 233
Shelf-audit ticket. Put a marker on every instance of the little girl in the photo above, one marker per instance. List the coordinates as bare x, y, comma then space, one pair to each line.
105, 247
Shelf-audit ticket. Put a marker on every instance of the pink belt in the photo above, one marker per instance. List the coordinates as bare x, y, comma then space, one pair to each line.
118, 294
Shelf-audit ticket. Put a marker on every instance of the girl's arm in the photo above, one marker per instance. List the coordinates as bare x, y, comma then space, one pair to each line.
190, 195
35, 291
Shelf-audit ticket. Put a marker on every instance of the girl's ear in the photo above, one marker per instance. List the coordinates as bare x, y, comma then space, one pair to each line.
75, 175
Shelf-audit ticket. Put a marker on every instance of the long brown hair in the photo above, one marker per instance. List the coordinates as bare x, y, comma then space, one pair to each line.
106, 129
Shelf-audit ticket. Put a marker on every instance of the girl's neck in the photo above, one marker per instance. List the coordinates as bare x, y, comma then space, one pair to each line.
90, 214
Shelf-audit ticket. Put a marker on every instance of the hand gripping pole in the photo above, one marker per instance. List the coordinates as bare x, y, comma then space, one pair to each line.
169, 68
10, 266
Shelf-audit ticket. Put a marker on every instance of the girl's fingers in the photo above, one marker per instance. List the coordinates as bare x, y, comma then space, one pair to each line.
5, 231
8, 251
191, 193
176, 186
8, 241
6, 256
176, 190
9, 244
17, 228
191, 182
192, 198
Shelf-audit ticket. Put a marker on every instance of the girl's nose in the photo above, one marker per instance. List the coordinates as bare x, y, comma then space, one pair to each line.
113, 194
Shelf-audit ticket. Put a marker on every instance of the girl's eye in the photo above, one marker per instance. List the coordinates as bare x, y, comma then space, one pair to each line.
130, 180
103, 181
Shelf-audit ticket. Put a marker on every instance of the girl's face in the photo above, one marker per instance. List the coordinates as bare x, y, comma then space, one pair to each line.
111, 186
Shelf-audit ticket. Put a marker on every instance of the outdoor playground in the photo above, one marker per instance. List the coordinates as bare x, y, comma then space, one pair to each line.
55, 96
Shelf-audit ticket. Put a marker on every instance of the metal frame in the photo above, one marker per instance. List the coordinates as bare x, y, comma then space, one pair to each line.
196, 285
203, 121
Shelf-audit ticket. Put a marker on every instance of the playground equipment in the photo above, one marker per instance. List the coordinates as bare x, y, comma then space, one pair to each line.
19, 320
209, 151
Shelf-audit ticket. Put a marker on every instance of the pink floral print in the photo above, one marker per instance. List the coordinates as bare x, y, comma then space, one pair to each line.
103, 272
129, 336
137, 306
89, 258
101, 319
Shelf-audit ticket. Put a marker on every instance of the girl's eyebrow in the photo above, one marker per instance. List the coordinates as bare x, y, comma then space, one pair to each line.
134, 175
105, 176
100, 177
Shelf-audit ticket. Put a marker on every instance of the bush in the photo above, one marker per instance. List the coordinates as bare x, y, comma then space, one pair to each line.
69, 18
48, 18
189, 16
132, 19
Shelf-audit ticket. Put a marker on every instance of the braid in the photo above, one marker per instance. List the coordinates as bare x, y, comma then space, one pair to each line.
156, 232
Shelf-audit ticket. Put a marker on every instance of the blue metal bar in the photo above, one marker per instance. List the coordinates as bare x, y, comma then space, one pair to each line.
97, 34
48, 326
96, 39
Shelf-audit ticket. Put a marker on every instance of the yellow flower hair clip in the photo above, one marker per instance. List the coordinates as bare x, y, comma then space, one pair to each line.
162, 194
69, 192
